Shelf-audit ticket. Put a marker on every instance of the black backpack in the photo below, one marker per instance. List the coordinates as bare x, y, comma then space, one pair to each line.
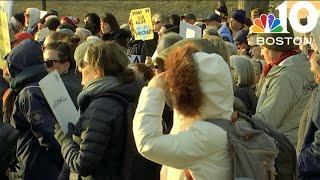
135, 166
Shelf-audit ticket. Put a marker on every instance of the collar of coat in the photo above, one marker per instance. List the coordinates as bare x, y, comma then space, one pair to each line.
297, 60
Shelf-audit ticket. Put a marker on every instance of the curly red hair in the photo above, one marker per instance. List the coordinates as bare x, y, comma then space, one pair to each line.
182, 80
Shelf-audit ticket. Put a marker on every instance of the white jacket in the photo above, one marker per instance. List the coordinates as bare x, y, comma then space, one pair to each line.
193, 144
203, 148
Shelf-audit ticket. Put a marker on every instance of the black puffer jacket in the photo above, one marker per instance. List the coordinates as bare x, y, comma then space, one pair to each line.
96, 149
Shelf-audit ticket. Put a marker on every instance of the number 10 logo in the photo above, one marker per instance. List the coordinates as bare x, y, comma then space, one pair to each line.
270, 24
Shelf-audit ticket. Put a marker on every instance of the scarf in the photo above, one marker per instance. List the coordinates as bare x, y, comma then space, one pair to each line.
275, 62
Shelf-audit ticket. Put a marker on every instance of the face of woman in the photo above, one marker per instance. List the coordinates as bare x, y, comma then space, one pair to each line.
87, 72
267, 54
52, 61
314, 64
105, 27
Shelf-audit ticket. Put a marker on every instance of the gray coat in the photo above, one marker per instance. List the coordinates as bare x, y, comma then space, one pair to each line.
284, 94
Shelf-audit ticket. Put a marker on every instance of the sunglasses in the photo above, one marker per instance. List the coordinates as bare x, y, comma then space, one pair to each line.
49, 62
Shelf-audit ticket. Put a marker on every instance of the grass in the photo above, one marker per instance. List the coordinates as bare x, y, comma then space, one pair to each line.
121, 9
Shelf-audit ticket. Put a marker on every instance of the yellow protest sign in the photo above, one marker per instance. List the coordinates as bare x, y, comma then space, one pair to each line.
5, 47
141, 24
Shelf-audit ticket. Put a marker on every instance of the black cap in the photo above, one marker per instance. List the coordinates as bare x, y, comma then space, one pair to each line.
223, 9
19, 17
213, 17
189, 16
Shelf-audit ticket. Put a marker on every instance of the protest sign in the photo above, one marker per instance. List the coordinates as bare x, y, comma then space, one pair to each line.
141, 24
134, 59
189, 31
43, 13
59, 100
7, 6
5, 47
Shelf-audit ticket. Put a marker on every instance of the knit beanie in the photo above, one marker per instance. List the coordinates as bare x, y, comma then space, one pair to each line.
222, 9
71, 20
239, 15
288, 44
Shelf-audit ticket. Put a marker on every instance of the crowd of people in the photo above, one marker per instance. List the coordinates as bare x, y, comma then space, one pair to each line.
135, 118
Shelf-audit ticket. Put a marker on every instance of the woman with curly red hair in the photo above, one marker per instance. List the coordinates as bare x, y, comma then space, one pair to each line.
199, 86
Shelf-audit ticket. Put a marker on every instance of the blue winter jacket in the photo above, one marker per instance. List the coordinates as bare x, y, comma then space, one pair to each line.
37, 150
225, 33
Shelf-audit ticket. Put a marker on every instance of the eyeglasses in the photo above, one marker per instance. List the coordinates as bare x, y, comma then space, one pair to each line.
49, 62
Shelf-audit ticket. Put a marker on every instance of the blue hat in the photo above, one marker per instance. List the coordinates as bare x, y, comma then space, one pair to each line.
239, 15
213, 17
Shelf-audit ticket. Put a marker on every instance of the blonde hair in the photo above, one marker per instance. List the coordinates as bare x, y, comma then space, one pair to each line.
315, 67
110, 60
243, 70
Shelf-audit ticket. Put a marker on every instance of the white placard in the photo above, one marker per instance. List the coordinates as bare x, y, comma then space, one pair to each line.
134, 58
43, 13
7, 6
59, 100
189, 31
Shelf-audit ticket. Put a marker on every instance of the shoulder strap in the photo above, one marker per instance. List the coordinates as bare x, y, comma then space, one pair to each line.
223, 123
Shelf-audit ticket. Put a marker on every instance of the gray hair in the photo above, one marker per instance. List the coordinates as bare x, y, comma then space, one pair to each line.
243, 70
168, 40
209, 31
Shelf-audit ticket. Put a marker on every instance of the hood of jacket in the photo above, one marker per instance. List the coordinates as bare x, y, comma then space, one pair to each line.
34, 15
27, 53
216, 85
109, 84
31, 74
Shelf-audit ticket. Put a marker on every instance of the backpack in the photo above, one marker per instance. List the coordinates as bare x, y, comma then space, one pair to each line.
135, 166
258, 151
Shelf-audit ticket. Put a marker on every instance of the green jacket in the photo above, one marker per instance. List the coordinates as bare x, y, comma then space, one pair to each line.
284, 94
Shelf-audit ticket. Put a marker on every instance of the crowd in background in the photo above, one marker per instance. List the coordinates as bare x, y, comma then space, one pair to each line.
177, 85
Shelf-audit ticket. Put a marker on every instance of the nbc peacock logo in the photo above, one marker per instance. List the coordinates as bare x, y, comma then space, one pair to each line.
267, 24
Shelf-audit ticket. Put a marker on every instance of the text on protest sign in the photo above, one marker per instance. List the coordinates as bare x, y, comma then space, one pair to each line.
141, 24
134, 59
59, 100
